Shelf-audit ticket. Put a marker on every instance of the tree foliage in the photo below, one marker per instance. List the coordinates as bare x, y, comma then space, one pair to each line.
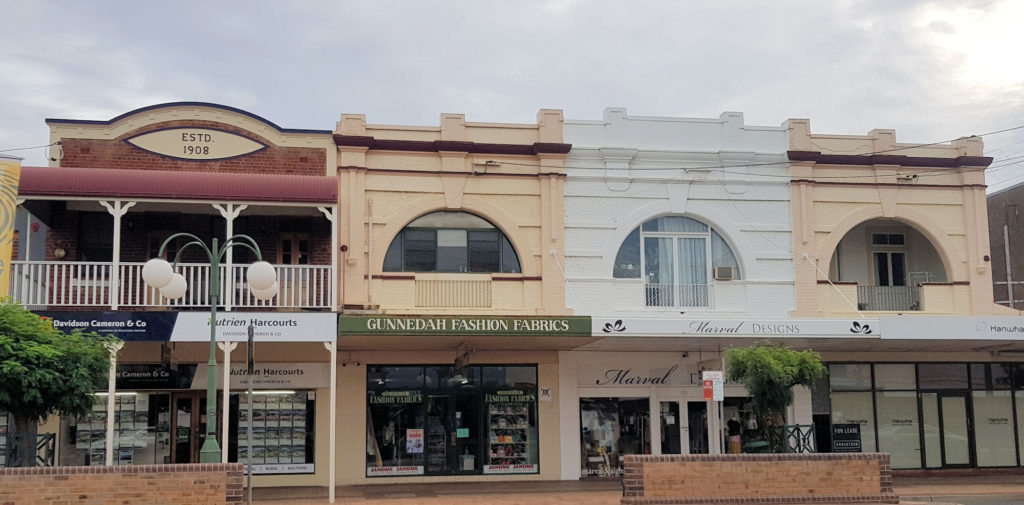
44, 371
769, 371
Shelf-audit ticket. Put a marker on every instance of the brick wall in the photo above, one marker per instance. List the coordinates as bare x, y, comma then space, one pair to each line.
93, 153
201, 484
758, 478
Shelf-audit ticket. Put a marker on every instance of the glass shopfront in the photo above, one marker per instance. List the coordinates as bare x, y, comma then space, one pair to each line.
934, 415
442, 420
610, 429
168, 425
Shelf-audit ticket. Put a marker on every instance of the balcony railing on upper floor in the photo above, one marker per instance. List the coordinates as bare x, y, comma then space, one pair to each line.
678, 295
58, 284
888, 298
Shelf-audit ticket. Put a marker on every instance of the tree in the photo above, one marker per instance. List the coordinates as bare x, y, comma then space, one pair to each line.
44, 371
769, 371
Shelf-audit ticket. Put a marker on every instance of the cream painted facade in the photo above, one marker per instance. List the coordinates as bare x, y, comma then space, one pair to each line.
440, 168
905, 187
513, 177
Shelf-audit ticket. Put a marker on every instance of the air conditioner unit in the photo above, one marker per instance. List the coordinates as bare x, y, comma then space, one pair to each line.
723, 273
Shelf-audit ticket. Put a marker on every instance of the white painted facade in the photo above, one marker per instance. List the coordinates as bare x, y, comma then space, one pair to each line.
625, 170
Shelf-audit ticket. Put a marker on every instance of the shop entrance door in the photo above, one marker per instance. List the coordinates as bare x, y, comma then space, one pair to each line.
697, 417
671, 428
947, 429
188, 426
454, 434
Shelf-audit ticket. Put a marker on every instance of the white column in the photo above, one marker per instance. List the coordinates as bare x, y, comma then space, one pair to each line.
331, 215
654, 424
113, 347
229, 212
332, 347
117, 208
226, 347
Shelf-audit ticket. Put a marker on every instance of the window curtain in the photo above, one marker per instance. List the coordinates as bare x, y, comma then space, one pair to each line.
693, 272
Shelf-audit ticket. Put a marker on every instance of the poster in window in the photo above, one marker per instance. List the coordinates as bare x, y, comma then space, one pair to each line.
414, 441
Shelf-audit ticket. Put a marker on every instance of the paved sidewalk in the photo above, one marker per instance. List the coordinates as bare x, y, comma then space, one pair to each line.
1002, 489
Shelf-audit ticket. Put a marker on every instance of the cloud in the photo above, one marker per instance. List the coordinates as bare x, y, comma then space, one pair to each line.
923, 68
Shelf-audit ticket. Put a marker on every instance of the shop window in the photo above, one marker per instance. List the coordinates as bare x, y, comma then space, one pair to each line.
442, 420
282, 427
451, 242
856, 408
898, 427
993, 428
610, 429
942, 375
675, 255
849, 376
142, 433
892, 377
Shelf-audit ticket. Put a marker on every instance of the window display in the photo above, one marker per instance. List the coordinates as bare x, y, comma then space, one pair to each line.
513, 433
141, 431
442, 420
612, 428
282, 431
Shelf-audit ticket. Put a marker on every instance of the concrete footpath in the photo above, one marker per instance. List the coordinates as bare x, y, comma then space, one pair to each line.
965, 489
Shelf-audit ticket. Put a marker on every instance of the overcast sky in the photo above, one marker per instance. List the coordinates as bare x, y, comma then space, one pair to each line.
932, 71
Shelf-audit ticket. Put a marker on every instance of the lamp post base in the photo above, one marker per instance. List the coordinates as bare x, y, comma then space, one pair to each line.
210, 452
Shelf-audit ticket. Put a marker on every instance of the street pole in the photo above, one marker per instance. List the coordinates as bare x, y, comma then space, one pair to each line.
251, 366
262, 279
210, 452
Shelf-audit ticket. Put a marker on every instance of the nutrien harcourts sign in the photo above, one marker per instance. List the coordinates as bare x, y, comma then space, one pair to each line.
573, 326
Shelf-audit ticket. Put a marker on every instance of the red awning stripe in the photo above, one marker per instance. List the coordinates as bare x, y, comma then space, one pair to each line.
162, 184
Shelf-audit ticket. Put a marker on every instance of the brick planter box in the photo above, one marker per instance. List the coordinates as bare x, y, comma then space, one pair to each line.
758, 478
201, 484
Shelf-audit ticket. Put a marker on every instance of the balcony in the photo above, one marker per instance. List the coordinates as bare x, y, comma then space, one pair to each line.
455, 292
678, 295
65, 284
888, 298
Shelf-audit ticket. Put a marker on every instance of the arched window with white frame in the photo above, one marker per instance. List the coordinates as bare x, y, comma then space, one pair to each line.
679, 259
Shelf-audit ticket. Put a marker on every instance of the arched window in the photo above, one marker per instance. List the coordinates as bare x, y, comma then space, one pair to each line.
448, 241
676, 256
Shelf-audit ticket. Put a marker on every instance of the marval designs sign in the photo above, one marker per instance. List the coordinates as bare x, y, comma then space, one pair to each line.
633, 374
195, 326
923, 327
199, 144
577, 326
675, 327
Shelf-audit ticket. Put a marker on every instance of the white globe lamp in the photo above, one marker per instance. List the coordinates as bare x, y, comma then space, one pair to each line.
157, 272
265, 294
174, 289
261, 276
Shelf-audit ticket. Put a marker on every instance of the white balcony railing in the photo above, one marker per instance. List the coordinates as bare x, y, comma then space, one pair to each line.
85, 284
888, 298
678, 295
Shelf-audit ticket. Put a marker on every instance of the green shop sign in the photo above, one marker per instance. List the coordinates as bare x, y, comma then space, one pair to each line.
563, 326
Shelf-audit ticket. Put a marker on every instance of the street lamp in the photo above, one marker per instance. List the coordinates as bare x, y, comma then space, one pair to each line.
262, 277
